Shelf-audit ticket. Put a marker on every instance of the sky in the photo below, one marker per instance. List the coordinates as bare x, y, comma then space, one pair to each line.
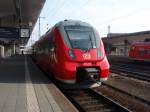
123, 16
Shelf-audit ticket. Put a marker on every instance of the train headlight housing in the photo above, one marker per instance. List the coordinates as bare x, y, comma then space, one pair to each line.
99, 53
133, 47
71, 54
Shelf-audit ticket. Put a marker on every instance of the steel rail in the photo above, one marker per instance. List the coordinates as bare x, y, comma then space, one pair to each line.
88, 100
127, 93
135, 73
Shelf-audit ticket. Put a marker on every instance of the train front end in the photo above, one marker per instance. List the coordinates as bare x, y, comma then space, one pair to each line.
84, 55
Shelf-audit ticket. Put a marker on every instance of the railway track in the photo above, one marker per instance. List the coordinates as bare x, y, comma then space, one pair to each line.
131, 71
130, 101
139, 65
126, 93
88, 100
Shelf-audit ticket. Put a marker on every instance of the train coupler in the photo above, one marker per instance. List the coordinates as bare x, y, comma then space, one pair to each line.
90, 74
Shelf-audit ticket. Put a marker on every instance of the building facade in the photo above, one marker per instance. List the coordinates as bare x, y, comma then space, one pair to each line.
119, 44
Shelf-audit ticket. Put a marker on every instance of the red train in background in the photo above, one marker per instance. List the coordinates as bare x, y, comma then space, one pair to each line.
140, 51
73, 52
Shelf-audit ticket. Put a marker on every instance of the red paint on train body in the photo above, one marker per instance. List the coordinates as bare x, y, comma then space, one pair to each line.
140, 51
72, 50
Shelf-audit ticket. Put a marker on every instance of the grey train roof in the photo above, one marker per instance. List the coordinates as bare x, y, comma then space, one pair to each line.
72, 23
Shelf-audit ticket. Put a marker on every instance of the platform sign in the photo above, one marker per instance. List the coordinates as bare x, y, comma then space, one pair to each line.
24, 32
8, 32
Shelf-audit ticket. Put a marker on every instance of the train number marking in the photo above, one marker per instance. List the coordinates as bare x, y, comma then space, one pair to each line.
86, 56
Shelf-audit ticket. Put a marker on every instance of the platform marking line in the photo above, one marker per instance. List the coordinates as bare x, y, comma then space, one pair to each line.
32, 102
55, 107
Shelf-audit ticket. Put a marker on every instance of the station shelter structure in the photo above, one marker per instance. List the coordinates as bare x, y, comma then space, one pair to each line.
17, 20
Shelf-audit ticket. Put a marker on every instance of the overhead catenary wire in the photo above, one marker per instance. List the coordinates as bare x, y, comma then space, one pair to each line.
61, 5
135, 12
55, 11
57, 8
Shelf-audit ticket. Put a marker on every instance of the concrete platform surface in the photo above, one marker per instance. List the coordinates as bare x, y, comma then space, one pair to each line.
24, 88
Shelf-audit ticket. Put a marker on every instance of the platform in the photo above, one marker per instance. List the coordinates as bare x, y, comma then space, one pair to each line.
24, 88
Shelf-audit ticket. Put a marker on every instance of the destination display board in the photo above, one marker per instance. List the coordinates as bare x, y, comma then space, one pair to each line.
7, 32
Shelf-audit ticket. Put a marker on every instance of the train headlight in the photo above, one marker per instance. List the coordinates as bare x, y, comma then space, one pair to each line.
133, 47
71, 54
99, 54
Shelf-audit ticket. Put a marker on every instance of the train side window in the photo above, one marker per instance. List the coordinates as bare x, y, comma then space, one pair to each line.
148, 51
141, 51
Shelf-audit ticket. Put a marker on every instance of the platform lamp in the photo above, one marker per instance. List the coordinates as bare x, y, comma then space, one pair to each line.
30, 26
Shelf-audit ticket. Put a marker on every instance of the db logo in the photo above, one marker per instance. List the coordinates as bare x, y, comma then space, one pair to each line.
86, 56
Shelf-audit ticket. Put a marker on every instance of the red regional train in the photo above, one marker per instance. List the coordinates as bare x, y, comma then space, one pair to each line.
140, 51
73, 52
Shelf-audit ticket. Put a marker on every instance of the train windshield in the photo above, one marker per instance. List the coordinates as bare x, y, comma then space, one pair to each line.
81, 37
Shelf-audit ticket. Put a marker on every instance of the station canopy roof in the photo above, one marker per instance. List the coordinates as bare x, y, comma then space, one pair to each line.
19, 14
